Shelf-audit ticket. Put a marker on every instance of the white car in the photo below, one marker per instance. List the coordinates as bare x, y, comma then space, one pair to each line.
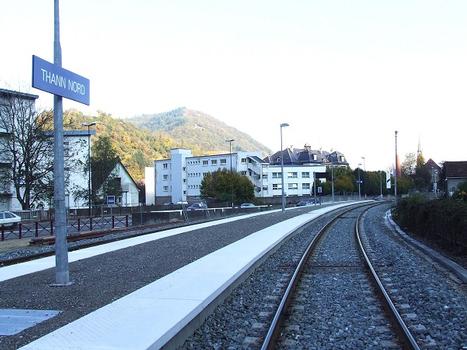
247, 205
8, 219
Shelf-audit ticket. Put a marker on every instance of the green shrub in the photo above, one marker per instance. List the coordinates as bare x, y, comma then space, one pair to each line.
444, 219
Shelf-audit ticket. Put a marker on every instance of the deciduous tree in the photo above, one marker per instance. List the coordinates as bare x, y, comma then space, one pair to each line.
27, 147
222, 184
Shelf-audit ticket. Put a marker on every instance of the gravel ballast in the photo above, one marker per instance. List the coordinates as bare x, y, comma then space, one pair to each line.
336, 305
432, 303
243, 319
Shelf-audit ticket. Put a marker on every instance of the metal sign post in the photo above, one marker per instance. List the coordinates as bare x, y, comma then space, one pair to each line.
62, 83
61, 250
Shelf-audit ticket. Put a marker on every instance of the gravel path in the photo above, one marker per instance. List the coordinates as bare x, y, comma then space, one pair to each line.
430, 302
104, 278
335, 307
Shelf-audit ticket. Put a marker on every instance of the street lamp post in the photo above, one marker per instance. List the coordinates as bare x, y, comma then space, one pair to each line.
332, 182
363, 175
359, 183
283, 125
231, 184
395, 168
88, 125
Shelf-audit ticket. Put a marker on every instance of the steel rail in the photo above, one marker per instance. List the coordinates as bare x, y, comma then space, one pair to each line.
409, 339
273, 332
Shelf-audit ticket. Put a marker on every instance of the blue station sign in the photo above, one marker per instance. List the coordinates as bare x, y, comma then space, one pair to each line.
58, 81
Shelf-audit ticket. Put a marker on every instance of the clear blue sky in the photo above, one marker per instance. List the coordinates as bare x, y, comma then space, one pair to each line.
343, 74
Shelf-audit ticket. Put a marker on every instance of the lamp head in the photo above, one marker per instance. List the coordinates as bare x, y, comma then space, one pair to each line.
283, 125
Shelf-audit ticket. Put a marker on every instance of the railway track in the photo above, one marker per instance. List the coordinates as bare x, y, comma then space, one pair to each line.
335, 298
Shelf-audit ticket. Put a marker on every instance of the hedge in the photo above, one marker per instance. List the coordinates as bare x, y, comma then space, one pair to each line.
444, 219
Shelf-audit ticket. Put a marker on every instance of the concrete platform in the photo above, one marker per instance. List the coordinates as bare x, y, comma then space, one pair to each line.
36, 265
150, 316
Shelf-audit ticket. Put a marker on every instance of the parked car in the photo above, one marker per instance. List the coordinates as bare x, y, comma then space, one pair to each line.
247, 205
9, 219
197, 206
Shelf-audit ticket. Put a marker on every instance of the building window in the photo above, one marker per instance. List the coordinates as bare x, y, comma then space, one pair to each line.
243, 172
184, 192
166, 188
292, 175
305, 186
223, 161
165, 165
277, 186
184, 168
243, 160
293, 186
165, 177
184, 180
315, 157
213, 161
276, 175
205, 162
306, 175
265, 176
265, 188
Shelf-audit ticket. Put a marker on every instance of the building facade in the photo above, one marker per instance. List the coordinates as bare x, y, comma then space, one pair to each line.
178, 178
455, 174
127, 190
9, 101
75, 145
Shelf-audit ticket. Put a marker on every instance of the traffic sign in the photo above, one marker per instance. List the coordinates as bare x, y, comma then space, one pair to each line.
58, 81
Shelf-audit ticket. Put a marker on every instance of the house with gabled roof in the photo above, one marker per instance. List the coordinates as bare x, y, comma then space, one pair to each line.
126, 191
455, 173
434, 170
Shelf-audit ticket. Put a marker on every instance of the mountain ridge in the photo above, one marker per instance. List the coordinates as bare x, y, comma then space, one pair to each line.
198, 128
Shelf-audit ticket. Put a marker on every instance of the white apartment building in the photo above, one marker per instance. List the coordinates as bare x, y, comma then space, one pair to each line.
75, 146
178, 179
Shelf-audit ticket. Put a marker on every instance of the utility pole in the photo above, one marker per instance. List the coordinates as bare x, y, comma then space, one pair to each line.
380, 184
283, 125
314, 186
231, 184
88, 125
395, 168
332, 182
359, 183
62, 277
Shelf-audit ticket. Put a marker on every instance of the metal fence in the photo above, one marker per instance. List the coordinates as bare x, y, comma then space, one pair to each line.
45, 228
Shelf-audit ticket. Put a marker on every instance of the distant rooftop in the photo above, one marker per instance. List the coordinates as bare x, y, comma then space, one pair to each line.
456, 169
18, 94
